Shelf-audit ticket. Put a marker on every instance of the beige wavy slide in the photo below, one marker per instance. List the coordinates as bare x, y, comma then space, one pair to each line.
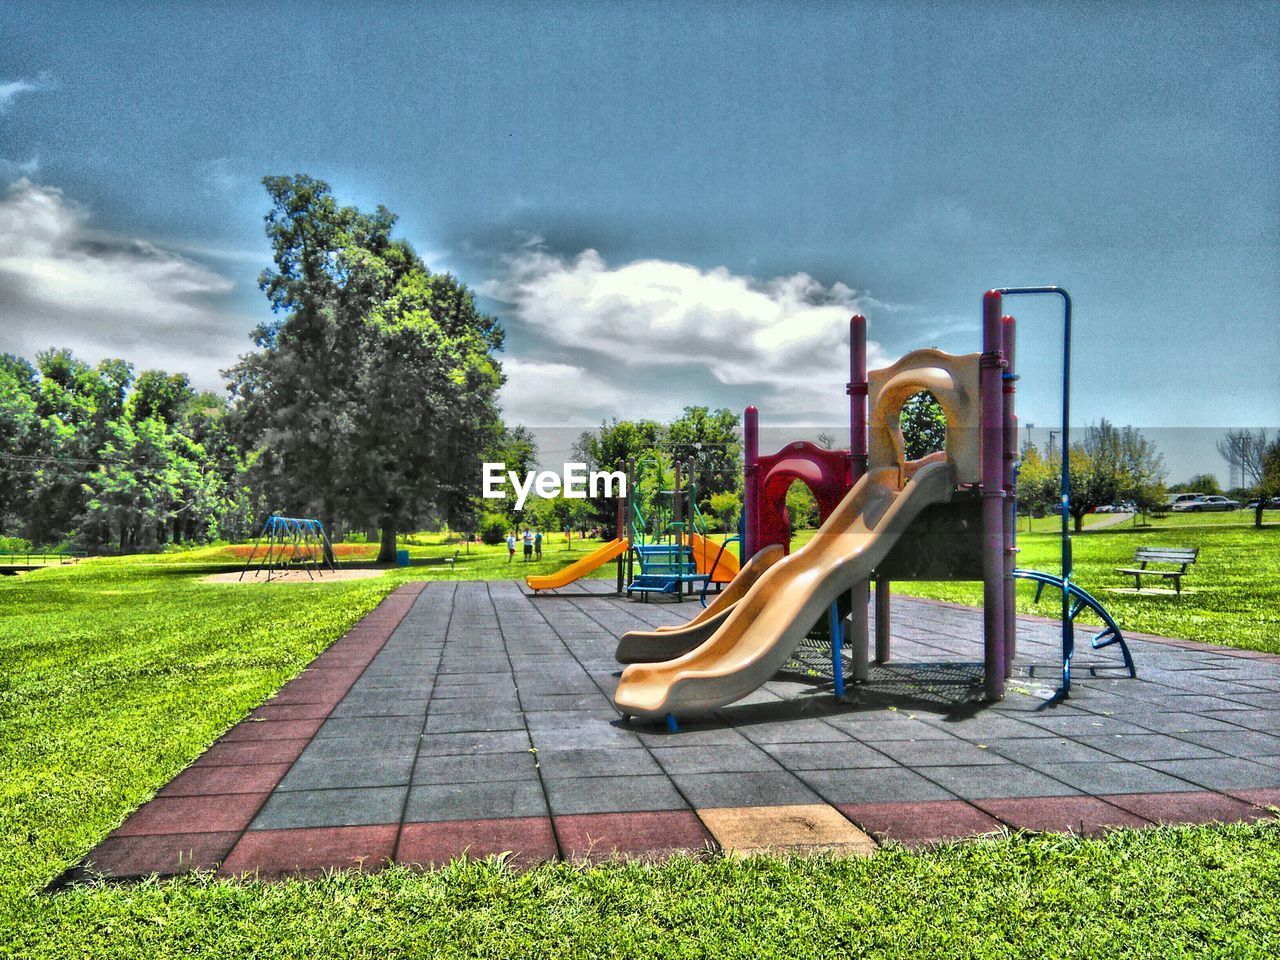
667, 643
762, 630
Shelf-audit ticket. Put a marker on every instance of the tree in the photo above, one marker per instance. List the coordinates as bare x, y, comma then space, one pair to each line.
1205, 483
1244, 450
162, 396
725, 507
373, 394
1038, 482
924, 425
1269, 482
802, 506
1112, 464
706, 442
19, 439
517, 448
612, 446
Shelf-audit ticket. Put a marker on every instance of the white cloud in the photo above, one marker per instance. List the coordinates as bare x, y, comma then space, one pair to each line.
10, 90
556, 394
783, 340
64, 284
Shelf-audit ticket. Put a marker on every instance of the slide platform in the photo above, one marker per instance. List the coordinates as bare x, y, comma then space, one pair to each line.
667, 643
769, 621
720, 565
580, 568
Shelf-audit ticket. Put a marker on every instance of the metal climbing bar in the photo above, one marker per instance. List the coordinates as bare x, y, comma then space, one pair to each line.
1081, 599
1068, 632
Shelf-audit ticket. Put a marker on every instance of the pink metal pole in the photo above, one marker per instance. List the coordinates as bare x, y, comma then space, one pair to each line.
992, 432
1009, 340
750, 482
857, 390
860, 595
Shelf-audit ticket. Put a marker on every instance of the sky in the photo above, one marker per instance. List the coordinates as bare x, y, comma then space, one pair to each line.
672, 204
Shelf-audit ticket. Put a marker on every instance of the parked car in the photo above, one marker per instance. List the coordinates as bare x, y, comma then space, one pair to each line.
1180, 501
1272, 504
1207, 504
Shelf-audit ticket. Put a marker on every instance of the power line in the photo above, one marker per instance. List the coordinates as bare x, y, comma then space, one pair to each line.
21, 458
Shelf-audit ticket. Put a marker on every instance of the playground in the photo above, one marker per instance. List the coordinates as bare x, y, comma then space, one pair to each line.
468, 719
806, 707
154, 667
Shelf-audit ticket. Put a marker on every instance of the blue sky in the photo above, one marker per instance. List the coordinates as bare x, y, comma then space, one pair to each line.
671, 204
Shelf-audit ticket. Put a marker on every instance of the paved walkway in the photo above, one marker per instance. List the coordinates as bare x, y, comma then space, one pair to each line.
473, 717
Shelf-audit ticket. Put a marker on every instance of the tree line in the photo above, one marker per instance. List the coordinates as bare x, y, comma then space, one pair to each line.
368, 401
705, 442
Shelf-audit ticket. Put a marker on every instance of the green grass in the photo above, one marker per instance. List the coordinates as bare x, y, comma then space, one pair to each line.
1161, 893
118, 673
1230, 596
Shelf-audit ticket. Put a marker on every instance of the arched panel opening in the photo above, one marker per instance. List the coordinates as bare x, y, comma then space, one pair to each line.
924, 425
803, 512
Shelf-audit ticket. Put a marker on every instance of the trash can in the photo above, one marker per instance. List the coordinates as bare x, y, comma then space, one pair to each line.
402, 558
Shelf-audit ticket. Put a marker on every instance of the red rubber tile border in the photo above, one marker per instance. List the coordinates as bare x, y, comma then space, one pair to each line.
310, 851
1087, 816
647, 834
529, 840
162, 854
209, 813
921, 823
1199, 806
197, 820
208, 778
1263, 797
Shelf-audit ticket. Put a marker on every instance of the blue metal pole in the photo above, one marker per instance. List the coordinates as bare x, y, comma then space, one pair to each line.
837, 641
1068, 633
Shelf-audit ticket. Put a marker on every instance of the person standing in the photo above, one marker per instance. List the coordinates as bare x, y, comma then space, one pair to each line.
537, 545
528, 545
511, 546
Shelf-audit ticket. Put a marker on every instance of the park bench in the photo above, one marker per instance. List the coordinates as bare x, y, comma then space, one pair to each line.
1183, 557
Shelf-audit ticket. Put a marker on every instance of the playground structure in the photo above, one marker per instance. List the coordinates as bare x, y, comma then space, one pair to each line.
948, 516
291, 543
669, 544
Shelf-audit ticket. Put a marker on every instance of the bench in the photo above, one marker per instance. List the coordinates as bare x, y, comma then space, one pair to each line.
1182, 556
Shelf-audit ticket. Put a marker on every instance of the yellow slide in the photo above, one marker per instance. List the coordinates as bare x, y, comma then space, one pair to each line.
764, 627
666, 643
580, 568
708, 554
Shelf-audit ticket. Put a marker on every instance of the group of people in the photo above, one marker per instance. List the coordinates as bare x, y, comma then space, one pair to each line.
532, 545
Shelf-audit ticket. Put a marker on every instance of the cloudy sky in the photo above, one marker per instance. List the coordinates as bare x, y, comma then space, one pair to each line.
672, 204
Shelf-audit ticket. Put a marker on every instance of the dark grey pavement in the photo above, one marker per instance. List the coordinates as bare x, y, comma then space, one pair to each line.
488, 702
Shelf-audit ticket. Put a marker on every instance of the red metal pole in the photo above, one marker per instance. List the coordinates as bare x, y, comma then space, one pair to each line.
750, 493
992, 432
1009, 340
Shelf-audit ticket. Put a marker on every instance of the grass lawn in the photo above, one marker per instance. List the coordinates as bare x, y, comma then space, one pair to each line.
1230, 596
119, 672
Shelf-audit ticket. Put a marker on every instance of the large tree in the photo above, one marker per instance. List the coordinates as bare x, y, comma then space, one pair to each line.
373, 392
1111, 464
707, 442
